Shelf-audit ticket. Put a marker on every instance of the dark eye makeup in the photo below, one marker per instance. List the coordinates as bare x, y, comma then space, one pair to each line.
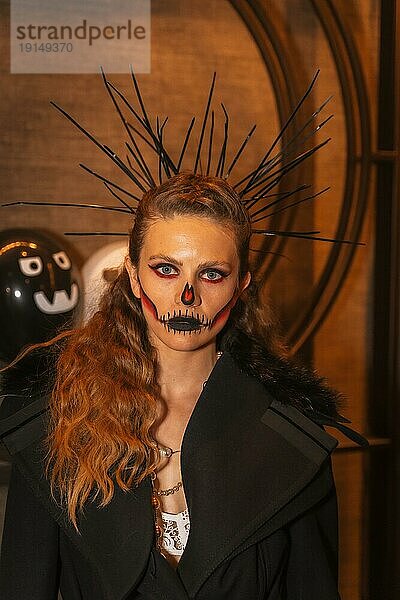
164, 270
168, 271
213, 275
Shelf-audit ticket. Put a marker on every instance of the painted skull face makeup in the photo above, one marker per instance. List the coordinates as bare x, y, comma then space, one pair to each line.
187, 280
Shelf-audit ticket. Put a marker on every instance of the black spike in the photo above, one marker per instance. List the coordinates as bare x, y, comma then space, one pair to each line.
239, 152
275, 212
114, 185
200, 166
306, 235
145, 124
210, 143
277, 175
162, 150
279, 198
120, 163
203, 127
68, 205
288, 166
129, 106
143, 167
139, 97
282, 172
159, 154
142, 163
138, 173
221, 160
284, 150
286, 125
94, 233
141, 136
116, 160
108, 187
185, 143
284, 154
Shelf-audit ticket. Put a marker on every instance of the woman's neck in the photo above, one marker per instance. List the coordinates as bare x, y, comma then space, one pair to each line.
180, 373
181, 379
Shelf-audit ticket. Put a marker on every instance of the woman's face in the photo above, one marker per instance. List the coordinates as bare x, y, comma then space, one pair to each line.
187, 280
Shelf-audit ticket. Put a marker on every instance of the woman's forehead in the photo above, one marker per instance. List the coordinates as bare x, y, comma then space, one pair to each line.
184, 233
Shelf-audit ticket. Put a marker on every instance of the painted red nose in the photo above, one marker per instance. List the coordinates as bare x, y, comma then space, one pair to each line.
187, 297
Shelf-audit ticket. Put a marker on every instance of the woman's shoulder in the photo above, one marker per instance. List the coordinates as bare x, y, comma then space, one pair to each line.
299, 393
288, 382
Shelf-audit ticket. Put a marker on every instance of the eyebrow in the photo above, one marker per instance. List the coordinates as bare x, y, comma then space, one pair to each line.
204, 265
167, 258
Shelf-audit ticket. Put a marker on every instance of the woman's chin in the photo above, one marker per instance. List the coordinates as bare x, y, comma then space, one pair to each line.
182, 340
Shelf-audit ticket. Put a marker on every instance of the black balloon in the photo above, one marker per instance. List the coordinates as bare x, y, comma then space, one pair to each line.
39, 289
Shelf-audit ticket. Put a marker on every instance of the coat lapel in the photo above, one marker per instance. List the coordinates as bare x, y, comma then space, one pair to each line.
244, 458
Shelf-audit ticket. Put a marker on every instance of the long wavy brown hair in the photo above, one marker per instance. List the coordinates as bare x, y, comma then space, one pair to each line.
106, 396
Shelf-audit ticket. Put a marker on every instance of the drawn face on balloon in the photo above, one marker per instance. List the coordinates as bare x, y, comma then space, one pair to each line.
38, 289
187, 280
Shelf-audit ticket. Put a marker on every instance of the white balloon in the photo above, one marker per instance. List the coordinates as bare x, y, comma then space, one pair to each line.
97, 272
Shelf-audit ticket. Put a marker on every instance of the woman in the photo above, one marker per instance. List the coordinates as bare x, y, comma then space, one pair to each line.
176, 457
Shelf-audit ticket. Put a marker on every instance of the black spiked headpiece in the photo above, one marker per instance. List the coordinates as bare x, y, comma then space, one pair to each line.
257, 189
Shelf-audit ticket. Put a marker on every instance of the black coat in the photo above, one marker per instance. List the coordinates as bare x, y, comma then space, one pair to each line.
261, 498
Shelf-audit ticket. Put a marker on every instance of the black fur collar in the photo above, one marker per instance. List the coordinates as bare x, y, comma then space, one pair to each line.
289, 383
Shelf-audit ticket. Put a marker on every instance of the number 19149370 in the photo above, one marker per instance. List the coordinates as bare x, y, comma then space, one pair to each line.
46, 47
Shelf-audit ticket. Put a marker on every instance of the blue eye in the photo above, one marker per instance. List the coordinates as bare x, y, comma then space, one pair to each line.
164, 270
212, 275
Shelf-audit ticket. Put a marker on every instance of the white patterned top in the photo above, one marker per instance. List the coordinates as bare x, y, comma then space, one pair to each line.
175, 532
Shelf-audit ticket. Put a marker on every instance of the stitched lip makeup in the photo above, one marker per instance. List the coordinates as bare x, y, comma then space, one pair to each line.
185, 322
